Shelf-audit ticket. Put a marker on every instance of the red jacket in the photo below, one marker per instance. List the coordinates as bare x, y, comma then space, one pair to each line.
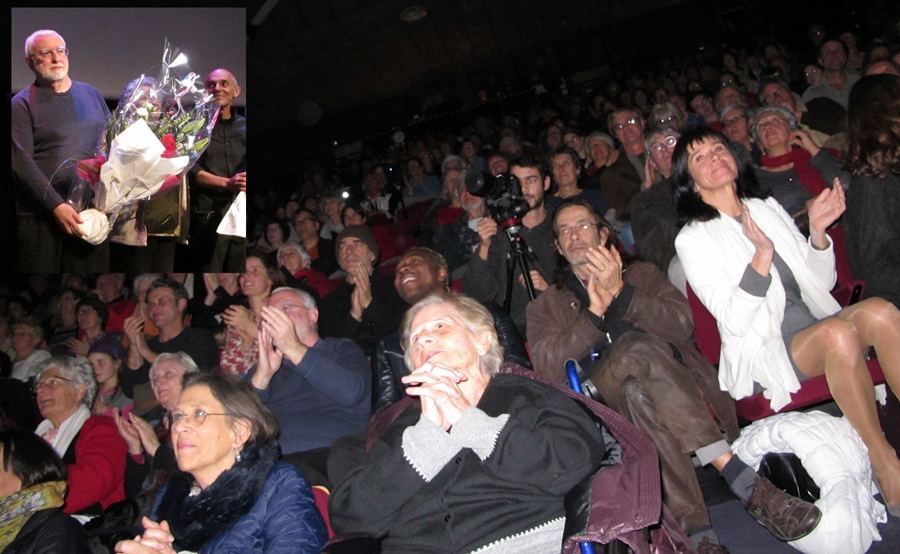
98, 474
120, 309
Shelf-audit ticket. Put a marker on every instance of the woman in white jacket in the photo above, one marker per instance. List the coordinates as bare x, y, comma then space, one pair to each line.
768, 288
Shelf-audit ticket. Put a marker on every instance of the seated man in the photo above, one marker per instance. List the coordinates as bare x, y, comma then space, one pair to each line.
111, 289
365, 307
420, 272
318, 388
631, 330
166, 301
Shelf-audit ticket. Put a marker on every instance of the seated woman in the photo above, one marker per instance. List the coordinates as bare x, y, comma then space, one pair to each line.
768, 288
240, 351
494, 454
294, 262
736, 126
90, 445
67, 325
149, 444
872, 220
793, 168
106, 357
93, 315
32, 485
232, 494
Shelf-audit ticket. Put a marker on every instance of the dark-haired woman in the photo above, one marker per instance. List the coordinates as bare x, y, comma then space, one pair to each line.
232, 494
768, 288
872, 221
32, 487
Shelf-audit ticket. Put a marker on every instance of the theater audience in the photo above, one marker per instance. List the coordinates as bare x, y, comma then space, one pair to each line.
111, 289
65, 324
654, 221
93, 316
27, 336
353, 213
106, 356
296, 269
321, 251
222, 291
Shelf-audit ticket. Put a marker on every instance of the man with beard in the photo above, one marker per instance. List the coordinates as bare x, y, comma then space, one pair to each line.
53, 120
219, 174
486, 277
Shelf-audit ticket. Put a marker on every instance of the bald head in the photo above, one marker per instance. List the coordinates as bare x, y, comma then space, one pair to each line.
222, 84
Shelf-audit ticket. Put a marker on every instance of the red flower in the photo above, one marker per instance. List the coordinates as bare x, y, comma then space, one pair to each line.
168, 141
89, 169
171, 181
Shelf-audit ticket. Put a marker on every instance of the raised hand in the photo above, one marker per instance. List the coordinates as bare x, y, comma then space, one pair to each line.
825, 209
149, 438
157, 538
362, 292
129, 433
438, 387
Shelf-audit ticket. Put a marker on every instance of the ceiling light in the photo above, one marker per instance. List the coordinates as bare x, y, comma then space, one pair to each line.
413, 14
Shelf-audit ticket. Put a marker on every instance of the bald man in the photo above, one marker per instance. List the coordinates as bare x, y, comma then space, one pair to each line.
215, 180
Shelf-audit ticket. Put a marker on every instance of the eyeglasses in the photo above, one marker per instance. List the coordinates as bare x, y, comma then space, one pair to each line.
666, 143
666, 120
770, 122
733, 120
47, 54
50, 383
303, 220
162, 301
199, 416
564, 164
629, 121
578, 229
288, 307
86, 311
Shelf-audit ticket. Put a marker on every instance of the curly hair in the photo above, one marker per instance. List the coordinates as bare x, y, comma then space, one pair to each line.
873, 126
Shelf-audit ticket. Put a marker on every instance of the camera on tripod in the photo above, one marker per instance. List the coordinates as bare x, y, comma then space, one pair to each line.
502, 194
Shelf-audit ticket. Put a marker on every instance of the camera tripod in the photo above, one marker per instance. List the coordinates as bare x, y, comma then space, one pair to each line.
519, 253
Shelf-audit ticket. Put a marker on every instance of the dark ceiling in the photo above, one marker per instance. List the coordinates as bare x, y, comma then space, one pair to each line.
316, 59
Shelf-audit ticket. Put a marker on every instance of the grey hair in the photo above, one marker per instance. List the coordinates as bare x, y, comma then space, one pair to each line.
292, 245
783, 112
665, 110
609, 120
745, 111
78, 370
28, 321
473, 315
135, 283
184, 361
600, 135
306, 299
662, 131
29, 42
448, 160
513, 141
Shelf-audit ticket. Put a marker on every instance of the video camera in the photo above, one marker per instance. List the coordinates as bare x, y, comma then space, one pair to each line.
502, 194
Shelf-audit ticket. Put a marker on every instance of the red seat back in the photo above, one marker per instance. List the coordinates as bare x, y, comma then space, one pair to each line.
321, 494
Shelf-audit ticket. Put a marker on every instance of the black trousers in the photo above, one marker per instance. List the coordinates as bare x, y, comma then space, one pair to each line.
42, 247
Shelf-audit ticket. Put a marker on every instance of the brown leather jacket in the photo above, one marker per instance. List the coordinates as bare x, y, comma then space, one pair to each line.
559, 328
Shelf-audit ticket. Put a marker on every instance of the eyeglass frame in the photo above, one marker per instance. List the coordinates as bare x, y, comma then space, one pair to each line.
659, 146
733, 120
47, 53
628, 122
581, 227
46, 383
169, 420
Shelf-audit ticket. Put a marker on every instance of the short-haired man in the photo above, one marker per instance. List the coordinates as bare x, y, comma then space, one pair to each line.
53, 120
628, 126
631, 331
167, 301
365, 307
420, 273
821, 117
318, 388
837, 80
219, 174
486, 278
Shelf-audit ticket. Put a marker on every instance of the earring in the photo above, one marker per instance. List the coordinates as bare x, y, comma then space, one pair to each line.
238, 457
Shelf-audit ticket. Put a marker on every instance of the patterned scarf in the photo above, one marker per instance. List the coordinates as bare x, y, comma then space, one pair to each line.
808, 175
17, 508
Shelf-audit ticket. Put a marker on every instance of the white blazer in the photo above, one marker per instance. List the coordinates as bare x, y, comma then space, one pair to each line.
714, 255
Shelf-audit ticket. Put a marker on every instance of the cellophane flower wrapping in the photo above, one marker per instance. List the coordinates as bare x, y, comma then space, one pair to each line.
158, 131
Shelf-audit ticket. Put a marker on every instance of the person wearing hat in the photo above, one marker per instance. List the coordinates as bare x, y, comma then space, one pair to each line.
365, 307
106, 355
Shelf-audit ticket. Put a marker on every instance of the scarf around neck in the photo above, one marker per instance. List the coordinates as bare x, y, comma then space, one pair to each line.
60, 438
808, 175
17, 508
195, 519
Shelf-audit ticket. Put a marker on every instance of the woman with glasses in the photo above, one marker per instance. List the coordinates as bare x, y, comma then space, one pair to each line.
90, 445
240, 352
92, 315
736, 123
793, 168
231, 492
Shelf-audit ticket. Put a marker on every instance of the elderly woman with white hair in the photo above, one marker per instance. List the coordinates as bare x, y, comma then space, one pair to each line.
90, 445
793, 168
294, 262
475, 458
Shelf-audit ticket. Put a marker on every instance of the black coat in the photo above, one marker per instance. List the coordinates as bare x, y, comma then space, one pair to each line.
50, 532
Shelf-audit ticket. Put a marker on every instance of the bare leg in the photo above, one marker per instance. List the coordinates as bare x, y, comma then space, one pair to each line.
834, 348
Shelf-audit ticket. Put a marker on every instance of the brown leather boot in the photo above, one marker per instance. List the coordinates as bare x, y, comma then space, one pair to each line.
788, 518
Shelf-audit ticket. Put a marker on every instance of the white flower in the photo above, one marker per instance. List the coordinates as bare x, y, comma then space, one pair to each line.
143, 113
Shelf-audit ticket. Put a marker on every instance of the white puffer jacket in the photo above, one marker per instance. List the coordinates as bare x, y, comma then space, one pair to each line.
837, 460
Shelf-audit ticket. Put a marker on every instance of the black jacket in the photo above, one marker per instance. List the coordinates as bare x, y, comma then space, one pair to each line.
50, 532
389, 366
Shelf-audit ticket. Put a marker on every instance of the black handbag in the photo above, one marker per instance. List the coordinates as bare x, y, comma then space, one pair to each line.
786, 471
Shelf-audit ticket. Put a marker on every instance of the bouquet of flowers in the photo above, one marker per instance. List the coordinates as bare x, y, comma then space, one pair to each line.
158, 131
